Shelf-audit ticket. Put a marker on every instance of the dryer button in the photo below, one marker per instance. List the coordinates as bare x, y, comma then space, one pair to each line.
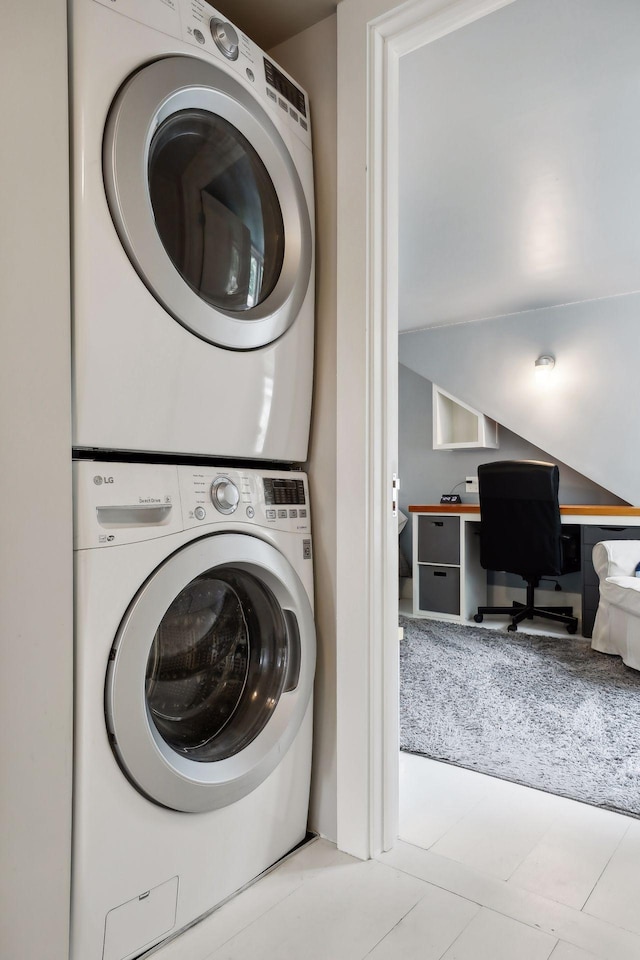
199, 513
251, 513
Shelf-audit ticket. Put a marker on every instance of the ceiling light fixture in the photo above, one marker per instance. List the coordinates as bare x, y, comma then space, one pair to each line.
544, 365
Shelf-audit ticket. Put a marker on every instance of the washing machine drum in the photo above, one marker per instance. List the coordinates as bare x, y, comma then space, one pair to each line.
211, 673
207, 202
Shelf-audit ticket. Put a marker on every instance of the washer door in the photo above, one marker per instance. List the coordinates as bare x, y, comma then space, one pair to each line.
211, 673
207, 202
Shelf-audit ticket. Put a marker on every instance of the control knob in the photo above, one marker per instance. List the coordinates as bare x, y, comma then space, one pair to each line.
225, 496
225, 38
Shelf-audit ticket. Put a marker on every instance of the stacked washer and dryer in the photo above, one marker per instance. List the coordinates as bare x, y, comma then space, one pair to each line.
193, 298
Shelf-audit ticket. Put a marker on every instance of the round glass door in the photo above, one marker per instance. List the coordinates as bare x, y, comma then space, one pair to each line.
211, 673
217, 665
208, 203
216, 210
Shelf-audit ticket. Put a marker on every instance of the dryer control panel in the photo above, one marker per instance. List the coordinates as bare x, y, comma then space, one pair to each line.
199, 24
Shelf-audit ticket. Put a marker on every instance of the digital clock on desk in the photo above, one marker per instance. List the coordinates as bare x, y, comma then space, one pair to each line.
450, 498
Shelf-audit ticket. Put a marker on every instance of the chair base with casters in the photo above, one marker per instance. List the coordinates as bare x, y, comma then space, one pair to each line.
527, 611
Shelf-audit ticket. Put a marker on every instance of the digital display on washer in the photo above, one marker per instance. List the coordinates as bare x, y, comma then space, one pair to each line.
284, 87
285, 492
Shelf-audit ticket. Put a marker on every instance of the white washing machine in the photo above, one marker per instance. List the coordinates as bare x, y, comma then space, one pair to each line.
193, 227
195, 657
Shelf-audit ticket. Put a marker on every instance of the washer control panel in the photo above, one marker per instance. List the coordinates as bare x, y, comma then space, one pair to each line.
270, 498
118, 503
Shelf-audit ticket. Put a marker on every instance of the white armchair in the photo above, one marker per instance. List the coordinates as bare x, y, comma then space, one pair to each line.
617, 626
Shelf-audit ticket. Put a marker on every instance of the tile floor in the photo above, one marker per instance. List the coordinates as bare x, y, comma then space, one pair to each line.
484, 870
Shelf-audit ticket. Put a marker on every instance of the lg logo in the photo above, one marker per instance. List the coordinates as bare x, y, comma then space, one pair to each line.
100, 480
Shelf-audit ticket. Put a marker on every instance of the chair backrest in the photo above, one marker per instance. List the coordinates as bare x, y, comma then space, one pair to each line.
520, 529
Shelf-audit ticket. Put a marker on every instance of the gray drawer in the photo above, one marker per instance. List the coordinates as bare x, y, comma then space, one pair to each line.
439, 590
590, 596
615, 531
439, 539
589, 576
588, 619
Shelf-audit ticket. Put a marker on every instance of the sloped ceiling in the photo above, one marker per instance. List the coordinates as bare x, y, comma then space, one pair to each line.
520, 162
270, 22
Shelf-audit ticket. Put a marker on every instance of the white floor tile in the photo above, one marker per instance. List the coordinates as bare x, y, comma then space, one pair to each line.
568, 861
436, 799
198, 942
562, 922
496, 835
341, 914
428, 930
490, 936
424, 904
566, 951
616, 896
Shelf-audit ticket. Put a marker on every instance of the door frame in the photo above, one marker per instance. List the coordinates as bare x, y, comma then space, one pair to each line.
373, 36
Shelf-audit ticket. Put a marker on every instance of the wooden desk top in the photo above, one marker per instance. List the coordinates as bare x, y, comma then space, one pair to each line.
579, 510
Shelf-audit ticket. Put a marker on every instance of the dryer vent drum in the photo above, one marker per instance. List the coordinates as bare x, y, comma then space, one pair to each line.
217, 665
216, 210
208, 203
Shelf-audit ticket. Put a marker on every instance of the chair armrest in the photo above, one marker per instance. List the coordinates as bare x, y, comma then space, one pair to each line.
623, 592
616, 558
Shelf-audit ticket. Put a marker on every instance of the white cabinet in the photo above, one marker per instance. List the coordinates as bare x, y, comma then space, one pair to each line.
457, 426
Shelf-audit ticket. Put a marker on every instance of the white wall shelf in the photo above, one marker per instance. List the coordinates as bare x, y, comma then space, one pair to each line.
457, 426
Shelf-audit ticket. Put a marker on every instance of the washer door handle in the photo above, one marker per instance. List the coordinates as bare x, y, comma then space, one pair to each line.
295, 652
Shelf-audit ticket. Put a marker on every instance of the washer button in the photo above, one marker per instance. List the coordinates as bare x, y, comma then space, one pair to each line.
251, 513
293, 514
271, 514
199, 513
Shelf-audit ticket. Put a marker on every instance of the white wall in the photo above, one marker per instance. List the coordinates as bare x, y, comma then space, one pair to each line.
520, 182
310, 57
35, 507
586, 418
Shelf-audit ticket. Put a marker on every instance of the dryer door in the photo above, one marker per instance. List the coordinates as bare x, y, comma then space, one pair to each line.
207, 202
211, 673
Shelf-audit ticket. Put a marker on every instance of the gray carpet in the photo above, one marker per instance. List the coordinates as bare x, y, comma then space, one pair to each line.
549, 713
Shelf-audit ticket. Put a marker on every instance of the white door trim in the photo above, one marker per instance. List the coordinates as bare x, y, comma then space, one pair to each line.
372, 37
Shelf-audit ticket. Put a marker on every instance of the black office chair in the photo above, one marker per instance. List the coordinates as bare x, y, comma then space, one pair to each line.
520, 532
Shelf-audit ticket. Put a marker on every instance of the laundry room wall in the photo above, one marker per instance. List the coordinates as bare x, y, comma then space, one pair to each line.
35, 508
311, 57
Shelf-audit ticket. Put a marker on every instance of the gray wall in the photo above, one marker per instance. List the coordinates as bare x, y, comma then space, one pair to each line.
427, 473
36, 628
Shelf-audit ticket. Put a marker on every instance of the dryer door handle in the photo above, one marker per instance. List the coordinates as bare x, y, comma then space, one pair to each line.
129, 513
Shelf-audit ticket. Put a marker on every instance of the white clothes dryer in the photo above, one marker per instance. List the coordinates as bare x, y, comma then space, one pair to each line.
193, 227
195, 657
